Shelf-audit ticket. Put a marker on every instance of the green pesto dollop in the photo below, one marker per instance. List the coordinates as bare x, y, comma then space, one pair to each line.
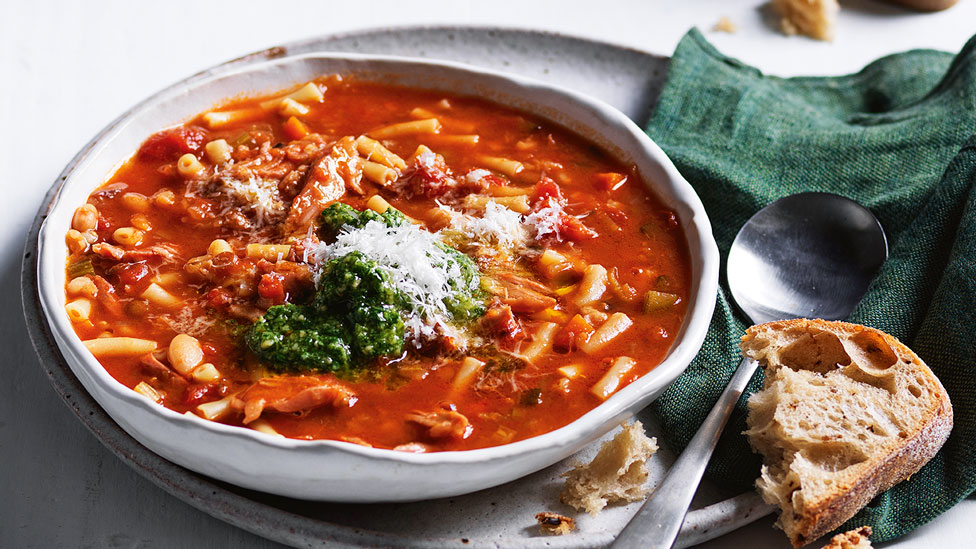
357, 313
467, 301
343, 216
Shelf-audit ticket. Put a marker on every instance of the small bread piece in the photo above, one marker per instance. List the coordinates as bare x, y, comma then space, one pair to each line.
814, 18
845, 413
617, 473
554, 523
724, 24
851, 539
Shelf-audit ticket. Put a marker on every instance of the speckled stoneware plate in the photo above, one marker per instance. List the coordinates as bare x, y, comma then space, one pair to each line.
500, 516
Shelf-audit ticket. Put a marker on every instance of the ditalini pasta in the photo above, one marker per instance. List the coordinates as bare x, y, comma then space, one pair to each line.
379, 265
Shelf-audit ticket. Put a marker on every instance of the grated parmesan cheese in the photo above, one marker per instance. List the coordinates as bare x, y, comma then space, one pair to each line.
414, 260
188, 322
259, 196
546, 220
475, 176
498, 230
415, 263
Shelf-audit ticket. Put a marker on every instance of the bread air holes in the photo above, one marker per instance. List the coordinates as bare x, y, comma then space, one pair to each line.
872, 359
871, 352
834, 456
818, 352
915, 390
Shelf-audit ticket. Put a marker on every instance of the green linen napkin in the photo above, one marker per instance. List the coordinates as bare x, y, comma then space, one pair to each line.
894, 137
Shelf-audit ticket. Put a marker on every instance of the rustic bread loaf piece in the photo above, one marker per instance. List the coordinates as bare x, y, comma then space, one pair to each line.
616, 474
845, 413
814, 18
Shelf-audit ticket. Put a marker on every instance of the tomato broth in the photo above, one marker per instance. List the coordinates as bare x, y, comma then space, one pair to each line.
185, 265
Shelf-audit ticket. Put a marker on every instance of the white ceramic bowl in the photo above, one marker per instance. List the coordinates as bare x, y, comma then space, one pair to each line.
338, 471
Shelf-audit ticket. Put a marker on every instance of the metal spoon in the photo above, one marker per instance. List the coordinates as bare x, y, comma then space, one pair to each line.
806, 255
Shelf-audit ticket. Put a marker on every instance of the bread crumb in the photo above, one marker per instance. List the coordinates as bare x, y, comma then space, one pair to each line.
852, 539
616, 474
724, 24
555, 524
814, 18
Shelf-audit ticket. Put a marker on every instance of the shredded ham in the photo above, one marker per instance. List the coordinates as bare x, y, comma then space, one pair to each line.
111, 251
326, 182
289, 394
442, 423
501, 323
521, 294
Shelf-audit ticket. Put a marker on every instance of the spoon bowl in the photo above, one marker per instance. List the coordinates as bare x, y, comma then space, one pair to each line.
805, 255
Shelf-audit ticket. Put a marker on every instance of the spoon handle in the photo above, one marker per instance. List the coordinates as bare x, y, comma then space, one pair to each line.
657, 523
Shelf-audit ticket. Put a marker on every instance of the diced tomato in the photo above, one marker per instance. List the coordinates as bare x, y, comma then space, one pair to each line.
272, 287
104, 226
574, 229
431, 177
545, 190
495, 180
168, 145
219, 298
479, 180
196, 393
132, 276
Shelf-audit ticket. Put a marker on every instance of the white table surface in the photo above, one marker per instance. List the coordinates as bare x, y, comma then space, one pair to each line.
68, 68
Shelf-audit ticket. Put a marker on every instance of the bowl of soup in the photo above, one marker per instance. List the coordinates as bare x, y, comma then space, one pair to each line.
357, 278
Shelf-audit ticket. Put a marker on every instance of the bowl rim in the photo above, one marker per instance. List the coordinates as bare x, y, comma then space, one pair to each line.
591, 423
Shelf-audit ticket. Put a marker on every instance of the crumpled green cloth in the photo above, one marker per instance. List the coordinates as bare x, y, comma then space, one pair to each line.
896, 137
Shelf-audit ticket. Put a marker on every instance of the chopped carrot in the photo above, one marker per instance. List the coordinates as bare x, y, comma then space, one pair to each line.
575, 331
610, 181
295, 128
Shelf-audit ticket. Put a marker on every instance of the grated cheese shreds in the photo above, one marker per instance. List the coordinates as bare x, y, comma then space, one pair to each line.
499, 230
260, 196
545, 220
188, 322
475, 176
419, 268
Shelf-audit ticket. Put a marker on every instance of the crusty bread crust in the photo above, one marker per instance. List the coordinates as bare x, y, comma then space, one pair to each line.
896, 460
886, 472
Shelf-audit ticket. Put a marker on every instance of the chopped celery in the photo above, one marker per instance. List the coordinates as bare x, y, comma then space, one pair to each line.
243, 139
657, 301
81, 267
650, 230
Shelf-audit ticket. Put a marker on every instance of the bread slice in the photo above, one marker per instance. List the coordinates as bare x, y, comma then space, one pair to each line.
617, 473
814, 18
845, 413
